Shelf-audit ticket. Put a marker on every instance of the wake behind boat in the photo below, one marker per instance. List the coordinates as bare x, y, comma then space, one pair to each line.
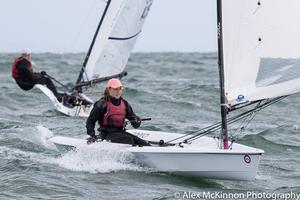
117, 32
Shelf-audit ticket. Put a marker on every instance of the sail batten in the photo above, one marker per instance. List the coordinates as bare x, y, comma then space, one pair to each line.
261, 49
120, 28
126, 38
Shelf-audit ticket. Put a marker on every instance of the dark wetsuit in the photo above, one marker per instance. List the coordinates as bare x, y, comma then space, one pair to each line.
27, 79
113, 134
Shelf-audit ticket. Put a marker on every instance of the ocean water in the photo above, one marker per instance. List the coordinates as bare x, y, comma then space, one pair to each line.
179, 91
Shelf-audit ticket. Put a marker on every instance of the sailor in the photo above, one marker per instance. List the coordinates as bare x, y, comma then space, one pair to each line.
24, 76
110, 112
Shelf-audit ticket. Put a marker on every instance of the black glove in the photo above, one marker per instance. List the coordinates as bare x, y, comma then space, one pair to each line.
136, 122
91, 140
43, 73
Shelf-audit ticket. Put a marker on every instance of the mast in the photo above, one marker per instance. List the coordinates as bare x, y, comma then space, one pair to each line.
92, 44
224, 133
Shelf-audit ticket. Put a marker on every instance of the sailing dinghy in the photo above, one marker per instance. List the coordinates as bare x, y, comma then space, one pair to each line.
258, 57
117, 32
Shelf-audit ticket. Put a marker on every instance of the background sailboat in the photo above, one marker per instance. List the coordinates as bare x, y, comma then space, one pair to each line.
117, 32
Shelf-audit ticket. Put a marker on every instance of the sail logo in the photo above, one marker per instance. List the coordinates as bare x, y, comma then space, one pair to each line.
146, 9
240, 98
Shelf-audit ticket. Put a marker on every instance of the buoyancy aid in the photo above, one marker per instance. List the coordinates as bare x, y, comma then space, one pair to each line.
14, 72
115, 115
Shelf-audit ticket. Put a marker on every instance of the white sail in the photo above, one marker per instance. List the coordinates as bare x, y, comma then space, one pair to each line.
261, 46
116, 38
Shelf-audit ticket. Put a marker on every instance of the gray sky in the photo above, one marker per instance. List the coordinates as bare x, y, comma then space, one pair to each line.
68, 25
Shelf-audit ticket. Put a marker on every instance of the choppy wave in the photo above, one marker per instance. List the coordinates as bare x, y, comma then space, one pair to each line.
179, 91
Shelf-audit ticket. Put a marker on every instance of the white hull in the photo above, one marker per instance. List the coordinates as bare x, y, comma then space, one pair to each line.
201, 158
81, 111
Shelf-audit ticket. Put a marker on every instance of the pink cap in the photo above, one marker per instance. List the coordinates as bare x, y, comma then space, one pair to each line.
114, 83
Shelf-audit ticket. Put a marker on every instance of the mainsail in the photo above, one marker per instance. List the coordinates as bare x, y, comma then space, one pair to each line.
120, 25
261, 49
